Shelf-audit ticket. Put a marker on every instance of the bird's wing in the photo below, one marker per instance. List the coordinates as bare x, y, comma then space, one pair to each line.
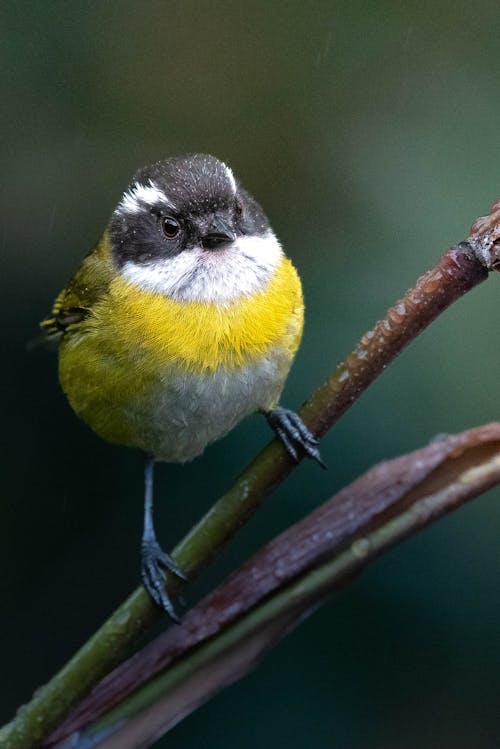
74, 304
63, 317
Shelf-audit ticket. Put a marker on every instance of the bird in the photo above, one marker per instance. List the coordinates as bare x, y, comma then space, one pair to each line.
183, 319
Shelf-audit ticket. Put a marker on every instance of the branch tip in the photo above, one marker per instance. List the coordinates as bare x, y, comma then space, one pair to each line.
484, 239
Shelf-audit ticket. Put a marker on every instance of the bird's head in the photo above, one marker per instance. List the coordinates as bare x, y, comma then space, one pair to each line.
185, 228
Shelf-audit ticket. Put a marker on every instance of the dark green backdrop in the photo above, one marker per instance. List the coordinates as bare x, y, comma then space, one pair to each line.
370, 132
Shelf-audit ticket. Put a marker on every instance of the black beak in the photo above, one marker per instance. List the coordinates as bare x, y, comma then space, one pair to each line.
220, 234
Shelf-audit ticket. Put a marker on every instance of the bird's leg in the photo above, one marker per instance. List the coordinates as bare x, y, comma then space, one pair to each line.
293, 433
154, 561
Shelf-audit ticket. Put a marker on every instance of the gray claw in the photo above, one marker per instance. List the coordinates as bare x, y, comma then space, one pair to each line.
293, 433
155, 562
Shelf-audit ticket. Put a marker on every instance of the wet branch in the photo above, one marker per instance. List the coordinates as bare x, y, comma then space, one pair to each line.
460, 268
222, 637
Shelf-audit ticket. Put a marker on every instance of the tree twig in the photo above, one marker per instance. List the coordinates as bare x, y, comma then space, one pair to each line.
460, 268
225, 634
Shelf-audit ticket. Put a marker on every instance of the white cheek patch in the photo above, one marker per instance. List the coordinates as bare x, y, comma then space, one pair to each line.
137, 195
197, 275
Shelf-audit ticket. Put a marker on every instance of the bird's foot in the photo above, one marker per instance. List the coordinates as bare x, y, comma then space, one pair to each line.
154, 563
293, 433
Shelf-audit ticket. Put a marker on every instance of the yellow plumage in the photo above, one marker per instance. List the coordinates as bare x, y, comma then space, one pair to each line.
129, 342
182, 320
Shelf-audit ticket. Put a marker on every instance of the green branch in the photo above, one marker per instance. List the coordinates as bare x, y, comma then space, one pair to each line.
460, 269
235, 625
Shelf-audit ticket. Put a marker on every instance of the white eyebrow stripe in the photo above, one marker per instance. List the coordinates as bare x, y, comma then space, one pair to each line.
137, 195
230, 177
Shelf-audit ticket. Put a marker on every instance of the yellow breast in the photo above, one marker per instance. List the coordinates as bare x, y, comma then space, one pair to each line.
112, 365
198, 337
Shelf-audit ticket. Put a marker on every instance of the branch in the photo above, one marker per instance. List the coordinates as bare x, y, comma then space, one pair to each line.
227, 632
460, 269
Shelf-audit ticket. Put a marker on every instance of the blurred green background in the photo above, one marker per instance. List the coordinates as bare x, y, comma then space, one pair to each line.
370, 132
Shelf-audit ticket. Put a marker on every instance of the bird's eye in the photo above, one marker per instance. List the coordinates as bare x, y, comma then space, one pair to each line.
239, 208
170, 227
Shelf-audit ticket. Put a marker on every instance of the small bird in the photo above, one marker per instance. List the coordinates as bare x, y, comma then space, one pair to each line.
183, 319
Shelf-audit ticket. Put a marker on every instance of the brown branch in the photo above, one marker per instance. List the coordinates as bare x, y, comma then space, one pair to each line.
457, 271
454, 470
460, 269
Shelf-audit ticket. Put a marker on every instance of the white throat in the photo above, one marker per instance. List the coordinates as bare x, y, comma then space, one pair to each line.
241, 269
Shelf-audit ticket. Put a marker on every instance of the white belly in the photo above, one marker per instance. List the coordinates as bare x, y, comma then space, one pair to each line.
189, 411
